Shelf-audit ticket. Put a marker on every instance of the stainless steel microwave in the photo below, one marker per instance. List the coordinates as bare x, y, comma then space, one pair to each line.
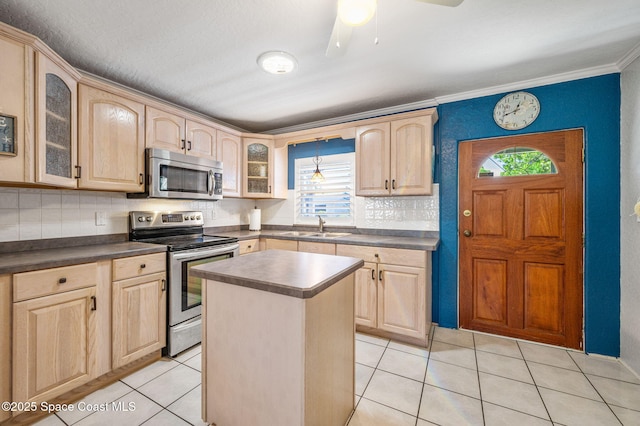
174, 175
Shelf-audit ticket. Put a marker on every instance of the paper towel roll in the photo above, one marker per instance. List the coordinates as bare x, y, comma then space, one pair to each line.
254, 220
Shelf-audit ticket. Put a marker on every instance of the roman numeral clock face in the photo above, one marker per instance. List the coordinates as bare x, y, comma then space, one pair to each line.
516, 110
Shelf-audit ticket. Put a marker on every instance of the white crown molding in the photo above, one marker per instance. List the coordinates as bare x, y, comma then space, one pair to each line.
527, 84
627, 59
429, 103
439, 100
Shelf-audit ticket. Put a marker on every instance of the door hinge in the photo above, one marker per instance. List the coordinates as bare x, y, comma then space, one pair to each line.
583, 239
583, 155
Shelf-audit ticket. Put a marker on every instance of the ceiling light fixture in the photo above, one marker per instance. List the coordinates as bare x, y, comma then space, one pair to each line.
277, 62
356, 12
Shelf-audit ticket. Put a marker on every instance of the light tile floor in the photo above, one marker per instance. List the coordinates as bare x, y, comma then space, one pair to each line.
463, 378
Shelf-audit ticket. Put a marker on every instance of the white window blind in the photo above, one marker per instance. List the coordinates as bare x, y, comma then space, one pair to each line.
332, 199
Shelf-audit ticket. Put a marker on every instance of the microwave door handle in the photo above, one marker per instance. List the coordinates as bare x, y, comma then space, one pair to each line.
211, 183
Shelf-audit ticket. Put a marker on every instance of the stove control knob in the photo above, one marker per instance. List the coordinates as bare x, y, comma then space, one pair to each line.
193, 218
140, 219
198, 217
186, 218
149, 218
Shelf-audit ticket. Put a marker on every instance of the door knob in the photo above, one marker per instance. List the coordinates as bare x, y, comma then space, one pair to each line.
467, 233
466, 213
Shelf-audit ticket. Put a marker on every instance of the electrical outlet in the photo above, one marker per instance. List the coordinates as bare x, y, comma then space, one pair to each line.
101, 218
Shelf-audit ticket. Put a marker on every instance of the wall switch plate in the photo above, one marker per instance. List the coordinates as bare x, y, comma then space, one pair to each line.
101, 218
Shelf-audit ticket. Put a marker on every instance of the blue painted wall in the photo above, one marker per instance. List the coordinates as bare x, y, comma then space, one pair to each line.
592, 104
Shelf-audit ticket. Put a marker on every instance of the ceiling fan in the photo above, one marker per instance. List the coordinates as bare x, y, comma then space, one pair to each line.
353, 13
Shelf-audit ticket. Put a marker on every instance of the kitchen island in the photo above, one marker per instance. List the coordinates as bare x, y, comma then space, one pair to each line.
278, 339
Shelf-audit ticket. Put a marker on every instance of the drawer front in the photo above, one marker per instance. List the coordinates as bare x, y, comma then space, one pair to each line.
366, 253
393, 256
249, 246
416, 258
28, 285
135, 266
321, 248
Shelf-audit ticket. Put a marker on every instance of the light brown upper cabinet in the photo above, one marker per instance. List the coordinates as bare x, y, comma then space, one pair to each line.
16, 86
265, 169
230, 153
111, 133
173, 132
394, 158
56, 122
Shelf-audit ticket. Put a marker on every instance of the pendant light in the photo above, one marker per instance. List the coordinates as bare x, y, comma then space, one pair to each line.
317, 175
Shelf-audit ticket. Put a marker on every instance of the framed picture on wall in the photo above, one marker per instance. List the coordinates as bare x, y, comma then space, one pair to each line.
8, 130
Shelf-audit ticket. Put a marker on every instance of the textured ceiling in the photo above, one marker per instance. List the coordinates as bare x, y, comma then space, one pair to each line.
201, 54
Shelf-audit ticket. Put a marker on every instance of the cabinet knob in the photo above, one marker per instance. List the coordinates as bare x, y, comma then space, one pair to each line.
62, 280
142, 266
376, 255
467, 233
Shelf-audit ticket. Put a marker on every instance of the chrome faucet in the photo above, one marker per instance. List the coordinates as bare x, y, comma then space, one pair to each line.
321, 223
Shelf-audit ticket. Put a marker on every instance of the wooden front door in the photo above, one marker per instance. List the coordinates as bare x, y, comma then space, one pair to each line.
521, 238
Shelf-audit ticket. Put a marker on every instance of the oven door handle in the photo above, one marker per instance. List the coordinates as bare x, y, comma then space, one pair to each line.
195, 254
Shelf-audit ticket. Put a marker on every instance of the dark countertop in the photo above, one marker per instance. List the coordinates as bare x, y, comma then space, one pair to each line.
414, 243
295, 274
31, 260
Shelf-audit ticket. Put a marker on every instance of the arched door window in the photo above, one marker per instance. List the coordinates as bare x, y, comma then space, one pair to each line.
517, 161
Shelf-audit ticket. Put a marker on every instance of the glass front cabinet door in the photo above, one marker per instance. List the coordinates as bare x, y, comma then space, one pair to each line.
258, 178
56, 127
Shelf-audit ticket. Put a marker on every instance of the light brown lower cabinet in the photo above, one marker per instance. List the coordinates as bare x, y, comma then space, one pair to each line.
60, 329
249, 246
139, 307
393, 289
5, 343
54, 342
366, 284
72, 324
402, 300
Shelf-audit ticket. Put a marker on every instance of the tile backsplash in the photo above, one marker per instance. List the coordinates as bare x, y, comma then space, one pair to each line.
30, 214
415, 213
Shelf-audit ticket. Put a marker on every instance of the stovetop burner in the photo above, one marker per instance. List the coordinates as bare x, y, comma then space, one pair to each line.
181, 230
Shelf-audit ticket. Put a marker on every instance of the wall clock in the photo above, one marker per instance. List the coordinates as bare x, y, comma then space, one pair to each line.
516, 110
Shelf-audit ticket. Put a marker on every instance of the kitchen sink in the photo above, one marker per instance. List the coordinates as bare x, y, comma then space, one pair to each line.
296, 233
314, 234
329, 234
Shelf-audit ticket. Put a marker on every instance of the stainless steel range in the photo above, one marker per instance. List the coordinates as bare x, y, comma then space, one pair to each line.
187, 246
